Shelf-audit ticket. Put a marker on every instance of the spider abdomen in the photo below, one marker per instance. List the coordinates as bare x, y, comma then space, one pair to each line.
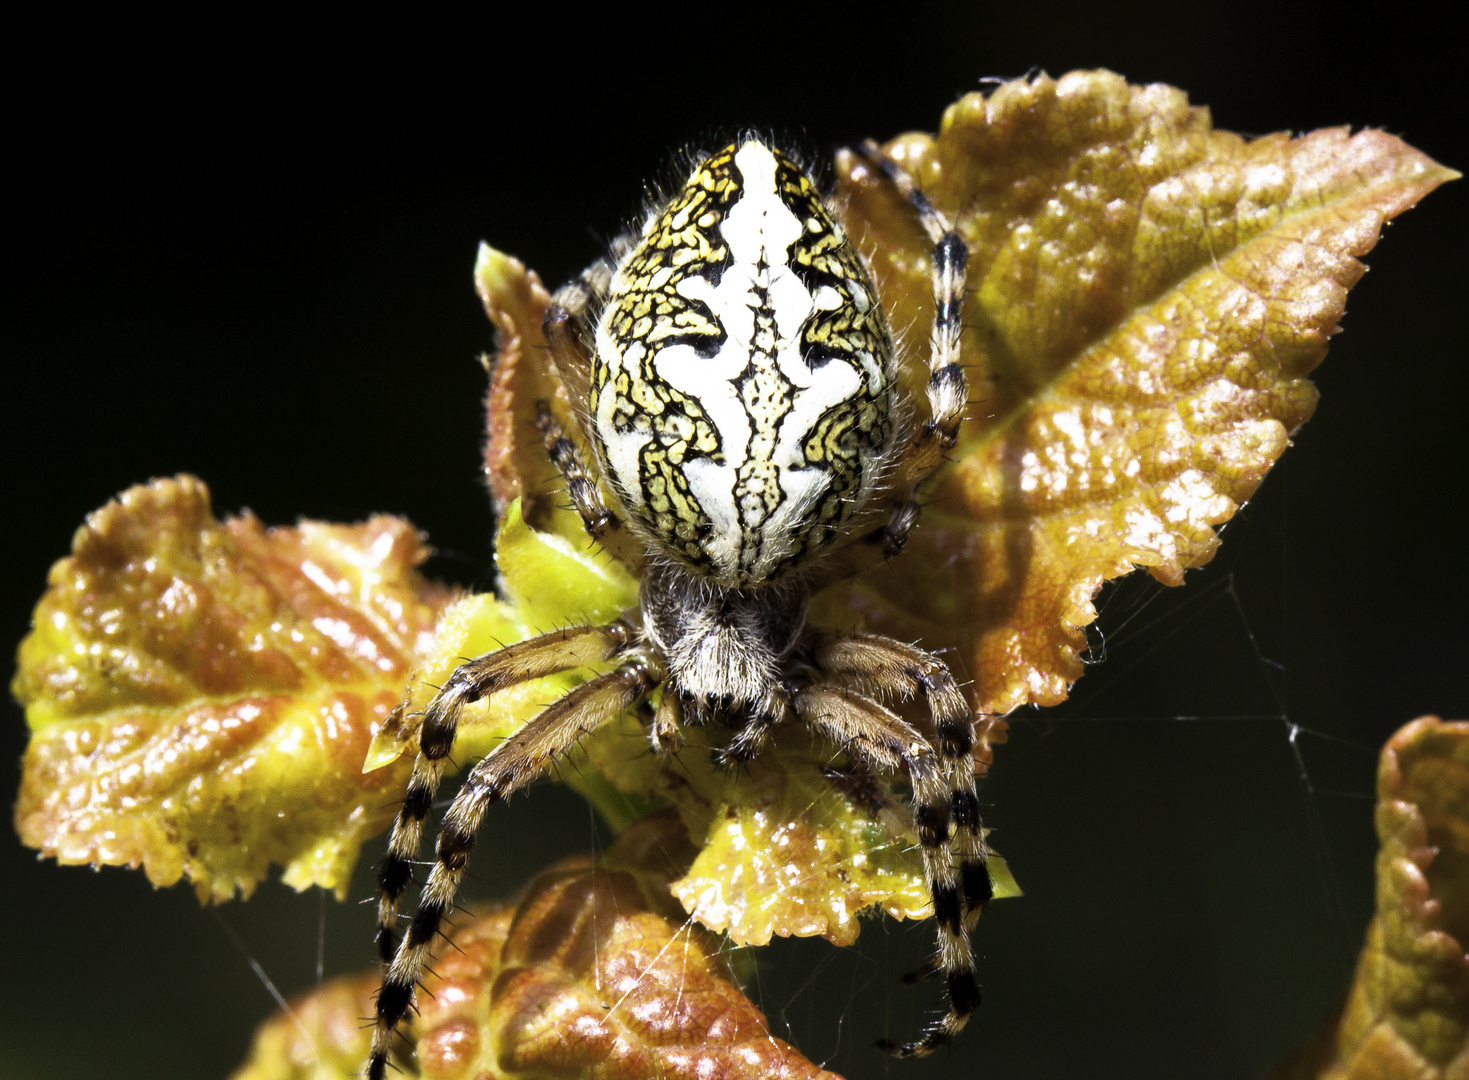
741, 392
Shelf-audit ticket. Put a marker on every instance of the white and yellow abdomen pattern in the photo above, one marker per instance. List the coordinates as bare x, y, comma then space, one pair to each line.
742, 387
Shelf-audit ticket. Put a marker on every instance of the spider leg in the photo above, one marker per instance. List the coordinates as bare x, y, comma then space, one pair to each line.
566, 325
560, 650
666, 733
864, 728
567, 329
513, 764
580, 484
774, 708
885, 669
948, 387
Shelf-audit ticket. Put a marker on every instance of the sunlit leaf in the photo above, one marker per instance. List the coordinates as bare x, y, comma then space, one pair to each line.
594, 974
1407, 1014
1147, 298
201, 693
793, 850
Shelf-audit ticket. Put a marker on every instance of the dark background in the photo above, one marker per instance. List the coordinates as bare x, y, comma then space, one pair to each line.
244, 251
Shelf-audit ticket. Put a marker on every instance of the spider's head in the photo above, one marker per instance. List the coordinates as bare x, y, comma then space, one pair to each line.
724, 647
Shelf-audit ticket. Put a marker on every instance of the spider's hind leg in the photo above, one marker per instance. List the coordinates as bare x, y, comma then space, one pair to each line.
864, 728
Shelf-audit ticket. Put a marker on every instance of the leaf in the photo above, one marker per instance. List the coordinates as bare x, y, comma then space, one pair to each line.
1407, 1013
585, 977
791, 849
1147, 297
321, 1037
201, 694
516, 465
586, 981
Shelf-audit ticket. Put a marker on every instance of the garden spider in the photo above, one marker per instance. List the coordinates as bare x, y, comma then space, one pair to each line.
736, 380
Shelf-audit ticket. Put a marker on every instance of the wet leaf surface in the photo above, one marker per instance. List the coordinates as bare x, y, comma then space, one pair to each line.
587, 976
201, 693
1147, 297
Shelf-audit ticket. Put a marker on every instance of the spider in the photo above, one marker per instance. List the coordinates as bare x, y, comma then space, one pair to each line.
736, 386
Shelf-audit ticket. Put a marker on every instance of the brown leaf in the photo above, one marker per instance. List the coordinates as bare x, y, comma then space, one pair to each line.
586, 981
586, 977
1407, 1013
1147, 298
201, 694
515, 301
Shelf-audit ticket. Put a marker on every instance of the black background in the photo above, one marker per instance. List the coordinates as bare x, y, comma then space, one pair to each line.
244, 251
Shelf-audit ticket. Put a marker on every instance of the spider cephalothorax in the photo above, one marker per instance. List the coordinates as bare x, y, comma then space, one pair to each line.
735, 381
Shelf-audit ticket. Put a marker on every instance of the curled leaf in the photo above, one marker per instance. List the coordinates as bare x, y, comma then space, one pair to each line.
1407, 1013
1147, 297
585, 980
201, 693
585, 977
516, 466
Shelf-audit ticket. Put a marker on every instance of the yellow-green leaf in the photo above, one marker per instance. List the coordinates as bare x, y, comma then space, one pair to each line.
201, 693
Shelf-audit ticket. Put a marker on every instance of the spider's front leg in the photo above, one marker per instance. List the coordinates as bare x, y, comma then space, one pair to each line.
517, 761
580, 484
887, 670
549, 654
865, 729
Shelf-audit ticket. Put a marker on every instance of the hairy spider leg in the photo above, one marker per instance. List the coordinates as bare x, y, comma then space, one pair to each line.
517, 761
666, 733
886, 669
549, 654
580, 484
869, 730
948, 387
567, 331
747, 742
